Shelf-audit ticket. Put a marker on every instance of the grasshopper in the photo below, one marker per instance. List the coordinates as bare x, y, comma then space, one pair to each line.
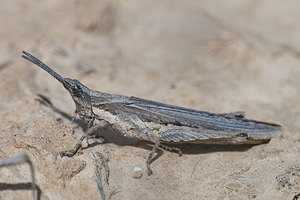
156, 122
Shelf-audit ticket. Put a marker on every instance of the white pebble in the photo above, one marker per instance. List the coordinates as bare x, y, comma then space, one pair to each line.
137, 172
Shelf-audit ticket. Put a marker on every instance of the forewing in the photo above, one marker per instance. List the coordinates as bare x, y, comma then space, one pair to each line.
163, 113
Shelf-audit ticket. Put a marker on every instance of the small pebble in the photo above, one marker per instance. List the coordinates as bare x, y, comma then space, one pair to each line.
137, 173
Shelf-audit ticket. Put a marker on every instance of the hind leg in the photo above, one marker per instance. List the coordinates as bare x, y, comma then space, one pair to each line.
148, 162
155, 147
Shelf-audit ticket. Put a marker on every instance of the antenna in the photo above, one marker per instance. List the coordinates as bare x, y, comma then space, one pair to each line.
42, 65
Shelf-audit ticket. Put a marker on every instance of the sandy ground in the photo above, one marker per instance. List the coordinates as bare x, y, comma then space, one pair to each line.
218, 56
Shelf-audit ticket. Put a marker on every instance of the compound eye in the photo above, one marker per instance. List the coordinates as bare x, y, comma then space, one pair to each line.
77, 91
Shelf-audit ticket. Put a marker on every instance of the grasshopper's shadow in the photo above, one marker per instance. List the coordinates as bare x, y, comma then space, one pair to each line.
106, 136
46, 102
211, 148
21, 186
187, 149
111, 137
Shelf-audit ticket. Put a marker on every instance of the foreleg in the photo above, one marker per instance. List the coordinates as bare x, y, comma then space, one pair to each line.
88, 132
